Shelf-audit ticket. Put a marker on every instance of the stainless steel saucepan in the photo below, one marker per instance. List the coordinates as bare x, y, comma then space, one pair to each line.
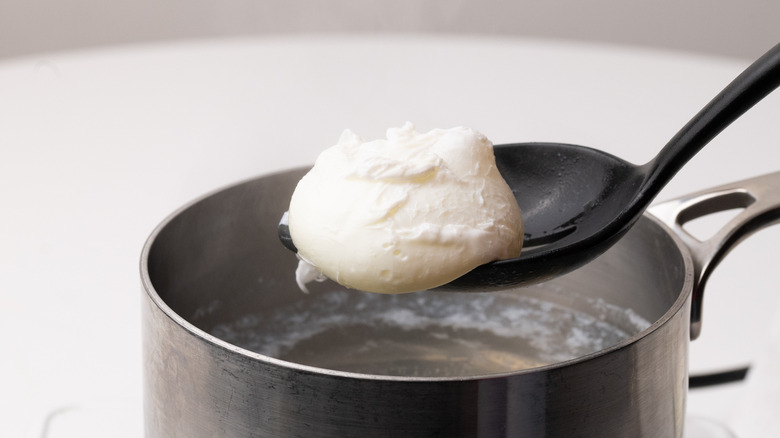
232, 348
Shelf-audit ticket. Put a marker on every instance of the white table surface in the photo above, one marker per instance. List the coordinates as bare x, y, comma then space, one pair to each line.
99, 146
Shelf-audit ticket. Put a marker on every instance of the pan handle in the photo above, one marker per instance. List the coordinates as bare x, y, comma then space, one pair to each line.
759, 199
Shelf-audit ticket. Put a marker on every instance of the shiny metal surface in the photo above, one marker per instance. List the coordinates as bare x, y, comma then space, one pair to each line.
216, 267
759, 201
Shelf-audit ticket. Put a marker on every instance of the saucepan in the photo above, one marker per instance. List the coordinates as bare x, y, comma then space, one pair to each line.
233, 348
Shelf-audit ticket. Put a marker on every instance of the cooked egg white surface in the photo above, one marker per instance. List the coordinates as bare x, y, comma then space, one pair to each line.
406, 213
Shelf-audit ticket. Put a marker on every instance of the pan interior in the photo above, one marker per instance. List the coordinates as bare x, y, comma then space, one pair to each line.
219, 265
432, 334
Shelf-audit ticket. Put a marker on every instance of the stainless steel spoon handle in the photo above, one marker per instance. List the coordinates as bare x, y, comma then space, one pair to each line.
759, 199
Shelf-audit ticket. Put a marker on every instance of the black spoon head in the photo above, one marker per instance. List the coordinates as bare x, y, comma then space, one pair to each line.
576, 202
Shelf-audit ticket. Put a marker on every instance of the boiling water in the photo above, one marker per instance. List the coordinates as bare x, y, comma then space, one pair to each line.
430, 334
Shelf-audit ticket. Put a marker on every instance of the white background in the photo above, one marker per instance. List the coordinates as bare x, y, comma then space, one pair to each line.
733, 28
101, 142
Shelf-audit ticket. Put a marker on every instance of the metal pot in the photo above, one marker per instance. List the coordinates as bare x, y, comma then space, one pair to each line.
233, 348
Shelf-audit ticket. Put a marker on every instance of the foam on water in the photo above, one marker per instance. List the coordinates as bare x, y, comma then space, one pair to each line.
430, 333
